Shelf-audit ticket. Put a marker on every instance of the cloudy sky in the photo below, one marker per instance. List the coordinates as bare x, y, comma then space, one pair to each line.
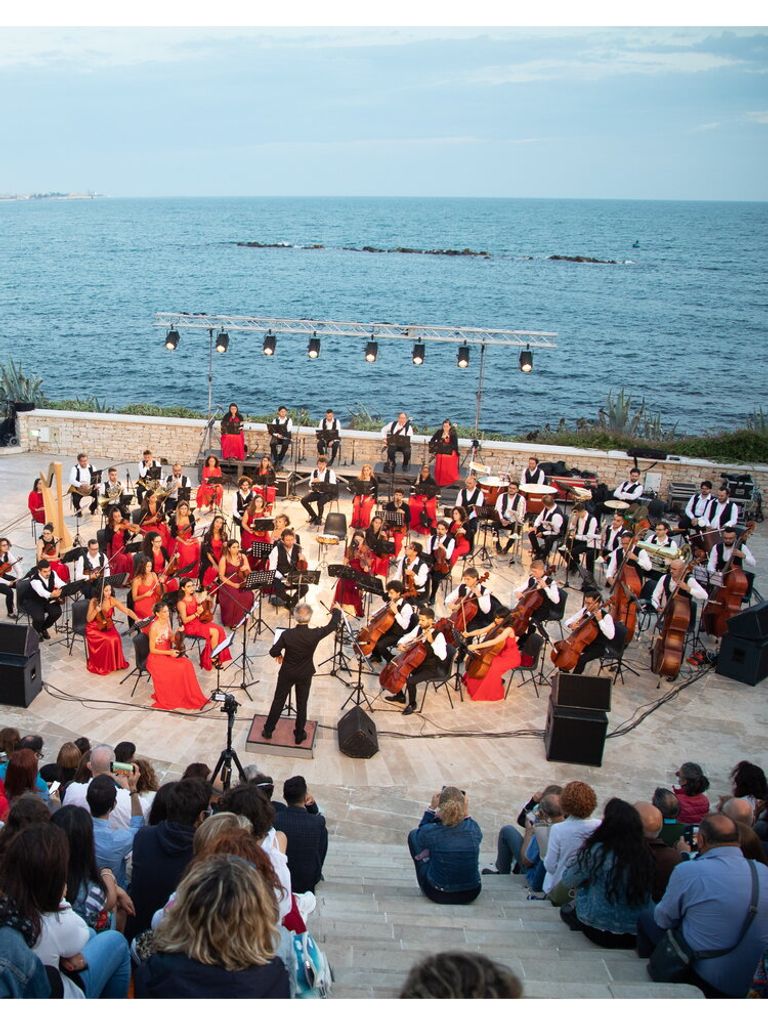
587, 112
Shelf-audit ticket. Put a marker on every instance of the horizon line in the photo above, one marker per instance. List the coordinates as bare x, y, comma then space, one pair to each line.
84, 196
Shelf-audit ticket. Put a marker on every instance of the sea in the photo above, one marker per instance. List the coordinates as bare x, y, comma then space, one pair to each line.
678, 320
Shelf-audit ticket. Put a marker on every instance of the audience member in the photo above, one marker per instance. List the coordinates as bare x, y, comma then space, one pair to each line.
197, 770
460, 975
267, 786
251, 802
35, 744
9, 740
92, 894
100, 763
665, 858
445, 849
113, 846
83, 744
19, 779
577, 802
218, 938
708, 899
147, 785
748, 783
27, 810
510, 841
22, 974
666, 801
125, 751
158, 810
306, 834
63, 769
690, 793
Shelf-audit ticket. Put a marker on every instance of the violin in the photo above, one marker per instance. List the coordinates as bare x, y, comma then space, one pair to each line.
165, 575
125, 524
206, 608
566, 653
302, 565
726, 601
178, 642
441, 564
5, 567
669, 645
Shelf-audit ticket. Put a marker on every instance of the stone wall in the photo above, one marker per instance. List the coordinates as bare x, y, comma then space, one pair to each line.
122, 439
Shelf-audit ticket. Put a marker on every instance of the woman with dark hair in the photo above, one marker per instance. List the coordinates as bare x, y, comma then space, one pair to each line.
211, 551
446, 849
423, 502
264, 483
91, 894
159, 810
49, 547
36, 502
35, 877
27, 810
749, 783
210, 492
462, 533
612, 876
103, 643
145, 588
444, 445
9, 740
690, 793
232, 438
67, 760
183, 543
173, 675
118, 532
20, 778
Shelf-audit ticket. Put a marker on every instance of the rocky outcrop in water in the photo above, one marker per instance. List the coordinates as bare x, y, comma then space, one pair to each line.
581, 259
370, 248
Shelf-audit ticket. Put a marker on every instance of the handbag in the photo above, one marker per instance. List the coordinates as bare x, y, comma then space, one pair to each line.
313, 972
672, 960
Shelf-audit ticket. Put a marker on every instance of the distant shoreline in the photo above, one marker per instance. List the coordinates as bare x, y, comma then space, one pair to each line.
21, 198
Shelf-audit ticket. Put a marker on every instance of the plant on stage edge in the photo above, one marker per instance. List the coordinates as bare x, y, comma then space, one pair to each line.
15, 386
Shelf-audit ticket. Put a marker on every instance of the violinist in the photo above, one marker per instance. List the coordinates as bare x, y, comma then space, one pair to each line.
611, 538
381, 547
82, 480
444, 445
413, 571
471, 586
439, 549
593, 607
280, 436
36, 502
491, 685
676, 581
435, 662
510, 507
210, 491
322, 489
462, 533
630, 490
145, 587
49, 548
532, 474
152, 547
583, 539
232, 437
42, 605
405, 618
547, 528
118, 533
328, 436
264, 482
185, 548
347, 593
212, 550
722, 552
175, 482
195, 613
112, 492
366, 493
89, 566
285, 558
8, 574
423, 502
234, 601
622, 554
399, 505
103, 644
552, 599
172, 675
249, 533
143, 482
398, 436
152, 518
282, 522
721, 511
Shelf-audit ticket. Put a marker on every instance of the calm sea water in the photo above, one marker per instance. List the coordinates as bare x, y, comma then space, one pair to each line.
679, 321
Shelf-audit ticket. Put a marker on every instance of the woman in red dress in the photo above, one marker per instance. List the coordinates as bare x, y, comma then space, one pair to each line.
445, 445
458, 530
382, 549
145, 588
347, 594
172, 675
103, 645
190, 611
184, 545
232, 438
256, 510
49, 547
366, 489
35, 502
117, 533
423, 503
153, 519
491, 686
210, 492
264, 483
233, 600
154, 549
214, 539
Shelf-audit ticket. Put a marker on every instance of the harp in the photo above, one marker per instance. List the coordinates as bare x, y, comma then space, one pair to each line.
53, 504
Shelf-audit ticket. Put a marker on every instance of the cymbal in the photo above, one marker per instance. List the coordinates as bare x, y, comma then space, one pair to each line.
614, 503
582, 493
538, 489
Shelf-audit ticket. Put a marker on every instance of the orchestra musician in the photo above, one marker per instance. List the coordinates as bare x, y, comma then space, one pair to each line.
192, 610
212, 551
145, 587
423, 502
510, 508
675, 581
547, 528
285, 558
329, 436
381, 547
439, 548
49, 548
721, 512
36, 502
152, 517
724, 550
366, 493
611, 538
152, 547
249, 535
42, 605
143, 483
695, 514
117, 533
172, 674
90, 566
280, 436
551, 607
232, 437
630, 490
622, 554
436, 661
347, 593
242, 499
491, 686
264, 482
470, 497
210, 492
583, 539
398, 434
405, 618
176, 481
282, 522
323, 488
532, 474
660, 536
183, 543
461, 530
414, 571
103, 643
234, 601
444, 445
112, 492
471, 586
8, 574
593, 606
82, 476
399, 533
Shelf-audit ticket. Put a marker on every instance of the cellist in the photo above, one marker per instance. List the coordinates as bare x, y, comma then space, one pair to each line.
593, 607
471, 586
435, 661
551, 597
619, 556
726, 549
404, 619
439, 549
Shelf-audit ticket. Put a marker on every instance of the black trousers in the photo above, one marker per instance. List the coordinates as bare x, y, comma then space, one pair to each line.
7, 593
43, 613
579, 548
392, 456
282, 690
279, 450
289, 595
333, 446
592, 651
78, 499
316, 498
430, 669
541, 546
390, 638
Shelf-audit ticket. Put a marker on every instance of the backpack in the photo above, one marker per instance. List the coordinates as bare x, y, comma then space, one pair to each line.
313, 973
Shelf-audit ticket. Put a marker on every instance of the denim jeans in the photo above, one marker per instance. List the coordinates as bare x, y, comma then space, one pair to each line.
508, 848
109, 971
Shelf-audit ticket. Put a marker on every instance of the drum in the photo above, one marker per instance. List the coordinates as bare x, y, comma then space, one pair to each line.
492, 486
534, 494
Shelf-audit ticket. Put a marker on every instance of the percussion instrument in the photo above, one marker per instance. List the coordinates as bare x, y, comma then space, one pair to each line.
534, 494
581, 494
492, 486
323, 538
616, 504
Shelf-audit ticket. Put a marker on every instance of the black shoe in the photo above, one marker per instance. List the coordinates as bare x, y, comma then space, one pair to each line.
396, 698
409, 710
498, 548
45, 635
267, 733
299, 737
374, 659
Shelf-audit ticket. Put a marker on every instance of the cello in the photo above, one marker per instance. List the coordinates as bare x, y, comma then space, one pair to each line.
394, 676
566, 653
726, 600
380, 623
457, 622
669, 645
530, 601
479, 662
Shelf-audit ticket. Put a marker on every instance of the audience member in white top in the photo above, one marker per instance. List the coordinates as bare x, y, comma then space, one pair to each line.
100, 763
577, 802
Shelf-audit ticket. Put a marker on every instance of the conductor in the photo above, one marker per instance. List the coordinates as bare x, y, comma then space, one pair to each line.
294, 652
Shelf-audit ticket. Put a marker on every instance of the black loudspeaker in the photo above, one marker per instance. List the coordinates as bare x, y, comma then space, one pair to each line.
21, 641
651, 454
21, 678
743, 660
575, 735
357, 734
574, 691
751, 624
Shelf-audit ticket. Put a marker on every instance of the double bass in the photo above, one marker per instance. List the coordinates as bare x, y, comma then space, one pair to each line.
726, 600
626, 589
669, 645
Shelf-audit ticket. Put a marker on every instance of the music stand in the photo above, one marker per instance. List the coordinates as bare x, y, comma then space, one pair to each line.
258, 580
358, 696
261, 526
225, 644
68, 590
244, 657
487, 520
298, 579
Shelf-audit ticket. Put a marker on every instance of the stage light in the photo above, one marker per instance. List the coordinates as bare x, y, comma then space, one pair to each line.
371, 351
313, 348
419, 351
462, 357
172, 339
222, 342
526, 361
270, 344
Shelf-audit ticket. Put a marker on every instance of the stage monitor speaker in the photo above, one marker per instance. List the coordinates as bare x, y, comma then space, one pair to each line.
21, 679
575, 735
751, 624
18, 640
578, 691
357, 734
743, 660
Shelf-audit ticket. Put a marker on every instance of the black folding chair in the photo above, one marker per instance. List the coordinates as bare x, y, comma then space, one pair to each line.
532, 647
441, 678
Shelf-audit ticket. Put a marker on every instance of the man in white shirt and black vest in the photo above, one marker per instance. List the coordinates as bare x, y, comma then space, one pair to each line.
413, 566
725, 550
143, 482
439, 548
510, 508
81, 476
434, 664
42, 605
547, 528
593, 606
630, 490
471, 588
280, 438
612, 534
552, 601
695, 515
398, 436
329, 438
283, 560
722, 512
322, 489
176, 481
405, 618
91, 565
532, 474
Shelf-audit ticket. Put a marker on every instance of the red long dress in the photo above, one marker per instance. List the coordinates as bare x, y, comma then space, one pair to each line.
347, 592
155, 525
174, 679
158, 565
233, 445
61, 570
104, 647
491, 686
210, 491
461, 547
362, 509
234, 603
35, 506
148, 594
188, 550
211, 573
419, 503
268, 492
119, 560
205, 630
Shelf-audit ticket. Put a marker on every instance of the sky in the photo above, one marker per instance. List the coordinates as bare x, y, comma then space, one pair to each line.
586, 112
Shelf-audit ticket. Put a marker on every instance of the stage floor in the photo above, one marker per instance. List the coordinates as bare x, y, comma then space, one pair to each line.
485, 748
